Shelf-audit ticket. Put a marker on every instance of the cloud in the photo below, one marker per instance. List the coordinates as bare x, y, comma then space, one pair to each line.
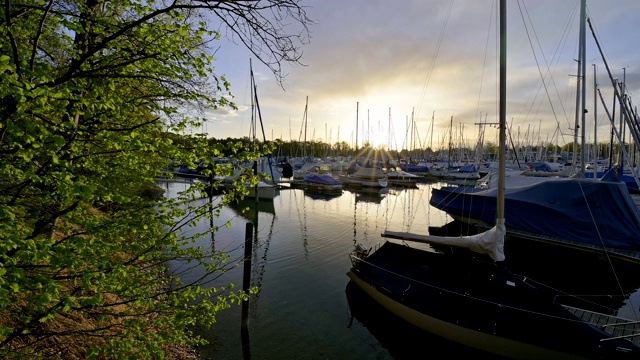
434, 58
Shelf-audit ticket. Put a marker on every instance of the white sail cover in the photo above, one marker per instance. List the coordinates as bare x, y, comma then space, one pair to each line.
490, 242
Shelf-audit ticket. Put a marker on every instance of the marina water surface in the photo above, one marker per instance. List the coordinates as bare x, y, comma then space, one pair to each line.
307, 309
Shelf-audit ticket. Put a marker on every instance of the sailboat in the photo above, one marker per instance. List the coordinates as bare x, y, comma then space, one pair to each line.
322, 184
366, 177
465, 292
398, 177
260, 190
451, 171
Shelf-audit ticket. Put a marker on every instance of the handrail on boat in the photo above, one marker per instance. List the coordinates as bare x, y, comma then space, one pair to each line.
624, 323
621, 337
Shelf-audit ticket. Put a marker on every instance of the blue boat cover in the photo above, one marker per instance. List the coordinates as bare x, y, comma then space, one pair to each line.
538, 166
325, 179
412, 168
596, 212
467, 168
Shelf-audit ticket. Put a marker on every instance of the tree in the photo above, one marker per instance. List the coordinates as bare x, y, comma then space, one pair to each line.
90, 93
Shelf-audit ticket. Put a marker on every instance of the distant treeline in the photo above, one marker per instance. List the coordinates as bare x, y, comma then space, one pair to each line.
318, 148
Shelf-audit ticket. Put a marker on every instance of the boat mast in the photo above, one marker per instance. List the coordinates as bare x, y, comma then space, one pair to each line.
357, 112
259, 116
433, 115
596, 151
582, 77
503, 113
390, 134
304, 149
580, 90
450, 141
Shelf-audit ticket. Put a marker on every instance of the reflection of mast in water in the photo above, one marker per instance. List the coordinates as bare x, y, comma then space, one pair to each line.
303, 224
254, 264
405, 199
355, 218
411, 205
408, 210
367, 197
246, 284
370, 198
260, 262
251, 210
210, 204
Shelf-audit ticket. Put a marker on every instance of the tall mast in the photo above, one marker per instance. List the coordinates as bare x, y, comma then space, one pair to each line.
503, 113
368, 132
357, 111
580, 90
304, 149
433, 115
390, 134
450, 140
582, 77
596, 151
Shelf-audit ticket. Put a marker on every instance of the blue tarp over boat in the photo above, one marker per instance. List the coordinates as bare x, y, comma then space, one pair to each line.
322, 179
467, 168
597, 212
412, 168
538, 166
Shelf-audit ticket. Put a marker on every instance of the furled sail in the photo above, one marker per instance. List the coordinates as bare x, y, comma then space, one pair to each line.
490, 242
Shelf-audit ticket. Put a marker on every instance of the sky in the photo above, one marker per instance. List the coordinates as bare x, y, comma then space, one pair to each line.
432, 66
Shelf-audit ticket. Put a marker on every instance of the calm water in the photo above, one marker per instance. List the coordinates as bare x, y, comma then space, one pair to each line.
306, 308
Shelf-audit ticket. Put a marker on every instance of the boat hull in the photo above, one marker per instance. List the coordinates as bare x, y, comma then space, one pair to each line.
353, 181
460, 334
366, 177
480, 304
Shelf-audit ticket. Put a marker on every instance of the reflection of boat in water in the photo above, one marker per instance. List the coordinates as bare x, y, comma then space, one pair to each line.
369, 194
247, 208
322, 197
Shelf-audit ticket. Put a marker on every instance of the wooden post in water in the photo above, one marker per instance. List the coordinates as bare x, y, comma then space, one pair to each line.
246, 285
209, 192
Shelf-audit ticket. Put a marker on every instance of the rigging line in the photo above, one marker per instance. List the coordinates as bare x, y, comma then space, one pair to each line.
484, 64
564, 293
596, 35
433, 60
606, 252
560, 45
553, 110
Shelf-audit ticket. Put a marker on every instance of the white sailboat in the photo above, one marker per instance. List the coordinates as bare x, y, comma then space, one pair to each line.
260, 190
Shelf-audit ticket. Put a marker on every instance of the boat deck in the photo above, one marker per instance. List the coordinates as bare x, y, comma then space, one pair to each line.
619, 327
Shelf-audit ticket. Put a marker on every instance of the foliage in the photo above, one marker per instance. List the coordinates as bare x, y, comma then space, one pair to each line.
91, 92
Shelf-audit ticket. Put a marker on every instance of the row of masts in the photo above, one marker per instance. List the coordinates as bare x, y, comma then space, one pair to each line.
528, 149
